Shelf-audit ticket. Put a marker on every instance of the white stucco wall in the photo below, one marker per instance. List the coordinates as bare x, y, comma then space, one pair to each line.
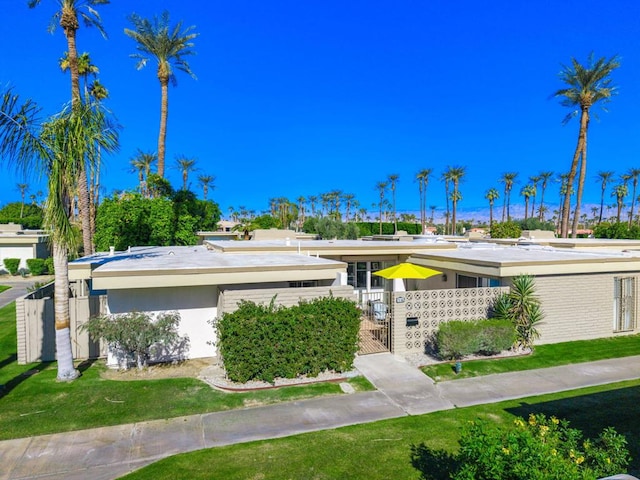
196, 306
22, 252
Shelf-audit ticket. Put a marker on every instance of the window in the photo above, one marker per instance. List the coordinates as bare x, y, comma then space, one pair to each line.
624, 304
464, 281
304, 283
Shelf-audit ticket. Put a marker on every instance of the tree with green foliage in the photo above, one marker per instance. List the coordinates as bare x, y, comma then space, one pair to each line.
138, 336
586, 86
505, 230
508, 178
423, 181
31, 218
492, 195
522, 307
544, 179
329, 229
68, 18
169, 46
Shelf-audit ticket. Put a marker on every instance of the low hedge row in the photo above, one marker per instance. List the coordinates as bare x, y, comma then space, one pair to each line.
457, 338
259, 342
35, 266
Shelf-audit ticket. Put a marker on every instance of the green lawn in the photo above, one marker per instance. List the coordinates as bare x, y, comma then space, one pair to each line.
35, 404
382, 450
4, 287
543, 356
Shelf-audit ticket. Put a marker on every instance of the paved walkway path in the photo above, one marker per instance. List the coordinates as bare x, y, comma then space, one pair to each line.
18, 288
109, 452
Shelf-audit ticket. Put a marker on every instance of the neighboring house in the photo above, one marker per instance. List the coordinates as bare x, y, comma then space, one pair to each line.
23, 244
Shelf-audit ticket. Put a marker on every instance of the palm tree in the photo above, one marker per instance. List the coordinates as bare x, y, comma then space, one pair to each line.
586, 86
604, 177
68, 18
508, 178
393, 179
544, 178
381, 187
423, 181
348, 200
313, 199
301, 210
206, 182
455, 175
22, 188
633, 174
527, 192
52, 151
85, 67
620, 191
185, 165
141, 164
492, 195
534, 184
169, 46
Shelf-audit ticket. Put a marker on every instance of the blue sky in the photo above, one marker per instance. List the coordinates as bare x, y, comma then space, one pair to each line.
297, 98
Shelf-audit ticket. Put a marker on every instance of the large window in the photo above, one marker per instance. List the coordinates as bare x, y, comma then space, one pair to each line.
357, 273
464, 281
624, 304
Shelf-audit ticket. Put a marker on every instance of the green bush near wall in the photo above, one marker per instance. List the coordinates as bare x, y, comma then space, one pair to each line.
458, 338
259, 342
49, 264
12, 265
36, 266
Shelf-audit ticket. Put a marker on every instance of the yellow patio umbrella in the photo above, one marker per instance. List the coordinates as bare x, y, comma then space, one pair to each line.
405, 270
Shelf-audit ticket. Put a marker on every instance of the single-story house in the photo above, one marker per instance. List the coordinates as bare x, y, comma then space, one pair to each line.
15, 242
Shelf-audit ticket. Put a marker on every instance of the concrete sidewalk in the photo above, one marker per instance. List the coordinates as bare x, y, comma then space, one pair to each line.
109, 452
19, 287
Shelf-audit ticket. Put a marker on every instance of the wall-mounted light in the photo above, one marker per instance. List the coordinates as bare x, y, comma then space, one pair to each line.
444, 277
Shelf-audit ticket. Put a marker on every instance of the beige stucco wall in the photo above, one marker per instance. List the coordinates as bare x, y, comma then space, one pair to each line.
578, 307
230, 297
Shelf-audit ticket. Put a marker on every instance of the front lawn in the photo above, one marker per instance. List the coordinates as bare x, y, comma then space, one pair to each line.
4, 287
32, 402
382, 450
542, 357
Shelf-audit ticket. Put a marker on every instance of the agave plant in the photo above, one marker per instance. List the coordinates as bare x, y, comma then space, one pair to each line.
522, 307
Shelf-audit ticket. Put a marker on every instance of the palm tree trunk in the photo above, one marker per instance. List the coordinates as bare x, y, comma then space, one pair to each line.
64, 354
84, 207
633, 200
583, 172
541, 206
601, 204
164, 114
490, 215
566, 204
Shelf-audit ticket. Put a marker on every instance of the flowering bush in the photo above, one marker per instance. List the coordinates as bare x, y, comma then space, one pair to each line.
540, 448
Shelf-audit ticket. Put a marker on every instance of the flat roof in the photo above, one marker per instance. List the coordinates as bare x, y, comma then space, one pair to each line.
329, 247
142, 267
507, 261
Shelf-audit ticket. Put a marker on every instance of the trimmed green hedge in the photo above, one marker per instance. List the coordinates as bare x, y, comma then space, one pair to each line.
12, 265
458, 338
36, 266
259, 342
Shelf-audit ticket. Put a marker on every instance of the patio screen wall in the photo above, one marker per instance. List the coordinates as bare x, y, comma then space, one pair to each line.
417, 315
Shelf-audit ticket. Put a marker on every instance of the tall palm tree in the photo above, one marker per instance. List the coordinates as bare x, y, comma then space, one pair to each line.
85, 67
527, 192
169, 46
68, 17
348, 200
633, 174
381, 187
534, 179
492, 195
22, 188
620, 192
206, 182
508, 178
544, 179
313, 199
423, 181
186, 165
141, 164
446, 179
302, 201
586, 86
603, 177
393, 179
52, 150
455, 175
